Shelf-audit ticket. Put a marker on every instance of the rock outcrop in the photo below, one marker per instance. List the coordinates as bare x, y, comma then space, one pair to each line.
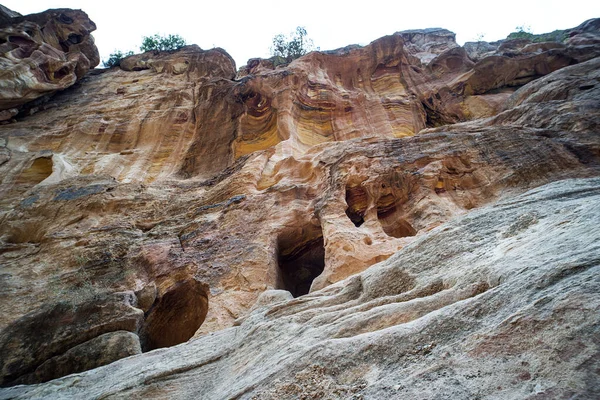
522, 44
41, 54
502, 302
167, 199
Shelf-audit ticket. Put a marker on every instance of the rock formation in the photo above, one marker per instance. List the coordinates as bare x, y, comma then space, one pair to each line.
175, 198
502, 302
42, 53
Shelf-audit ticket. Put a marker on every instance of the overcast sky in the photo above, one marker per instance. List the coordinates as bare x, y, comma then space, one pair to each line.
245, 29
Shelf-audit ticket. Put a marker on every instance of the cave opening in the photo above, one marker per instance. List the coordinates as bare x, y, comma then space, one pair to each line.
300, 262
61, 73
356, 199
40, 169
392, 223
356, 218
175, 315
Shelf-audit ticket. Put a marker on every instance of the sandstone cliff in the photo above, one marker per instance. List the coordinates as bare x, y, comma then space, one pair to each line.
42, 53
501, 303
175, 197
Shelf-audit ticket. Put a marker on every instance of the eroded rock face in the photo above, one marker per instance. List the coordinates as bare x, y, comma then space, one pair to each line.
500, 302
582, 35
101, 350
42, 53
195, 192
48, 343
426, 44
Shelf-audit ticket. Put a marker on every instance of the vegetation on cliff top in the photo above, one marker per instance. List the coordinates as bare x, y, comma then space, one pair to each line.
162, 43
114, 60
149, 43
285, 49
524, 32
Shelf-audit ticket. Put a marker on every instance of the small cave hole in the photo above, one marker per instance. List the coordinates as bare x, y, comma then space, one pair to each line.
356, 218
61, 73
356, 199
75, 38
440, 187
175, 315
392, 223
40, 169
299, 264
399, 229
20, 40
65, 19
26, 232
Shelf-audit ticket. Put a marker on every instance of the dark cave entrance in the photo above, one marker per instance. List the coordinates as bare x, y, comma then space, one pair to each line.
300, 262
356, 199
175, 316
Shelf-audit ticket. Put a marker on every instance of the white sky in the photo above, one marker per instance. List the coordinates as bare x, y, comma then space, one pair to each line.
245, 29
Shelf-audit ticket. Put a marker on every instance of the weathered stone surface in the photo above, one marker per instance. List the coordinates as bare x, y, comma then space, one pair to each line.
189, 60
502, 302
143, 127
381, 90
198, 192
94, 353
54, 331
563, 101
579, 37
255, 66
6, 14
42, 53
426, 44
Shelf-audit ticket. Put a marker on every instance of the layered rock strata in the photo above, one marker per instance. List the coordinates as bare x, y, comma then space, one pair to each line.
154, 202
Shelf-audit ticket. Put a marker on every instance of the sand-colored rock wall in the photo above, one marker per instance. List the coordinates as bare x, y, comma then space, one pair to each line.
173, 192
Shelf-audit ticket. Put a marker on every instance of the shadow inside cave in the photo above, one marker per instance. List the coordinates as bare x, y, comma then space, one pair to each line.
299, 264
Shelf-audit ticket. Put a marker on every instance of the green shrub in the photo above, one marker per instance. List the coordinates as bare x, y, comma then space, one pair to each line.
115, 58
524, 32
285, 49
162, 43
